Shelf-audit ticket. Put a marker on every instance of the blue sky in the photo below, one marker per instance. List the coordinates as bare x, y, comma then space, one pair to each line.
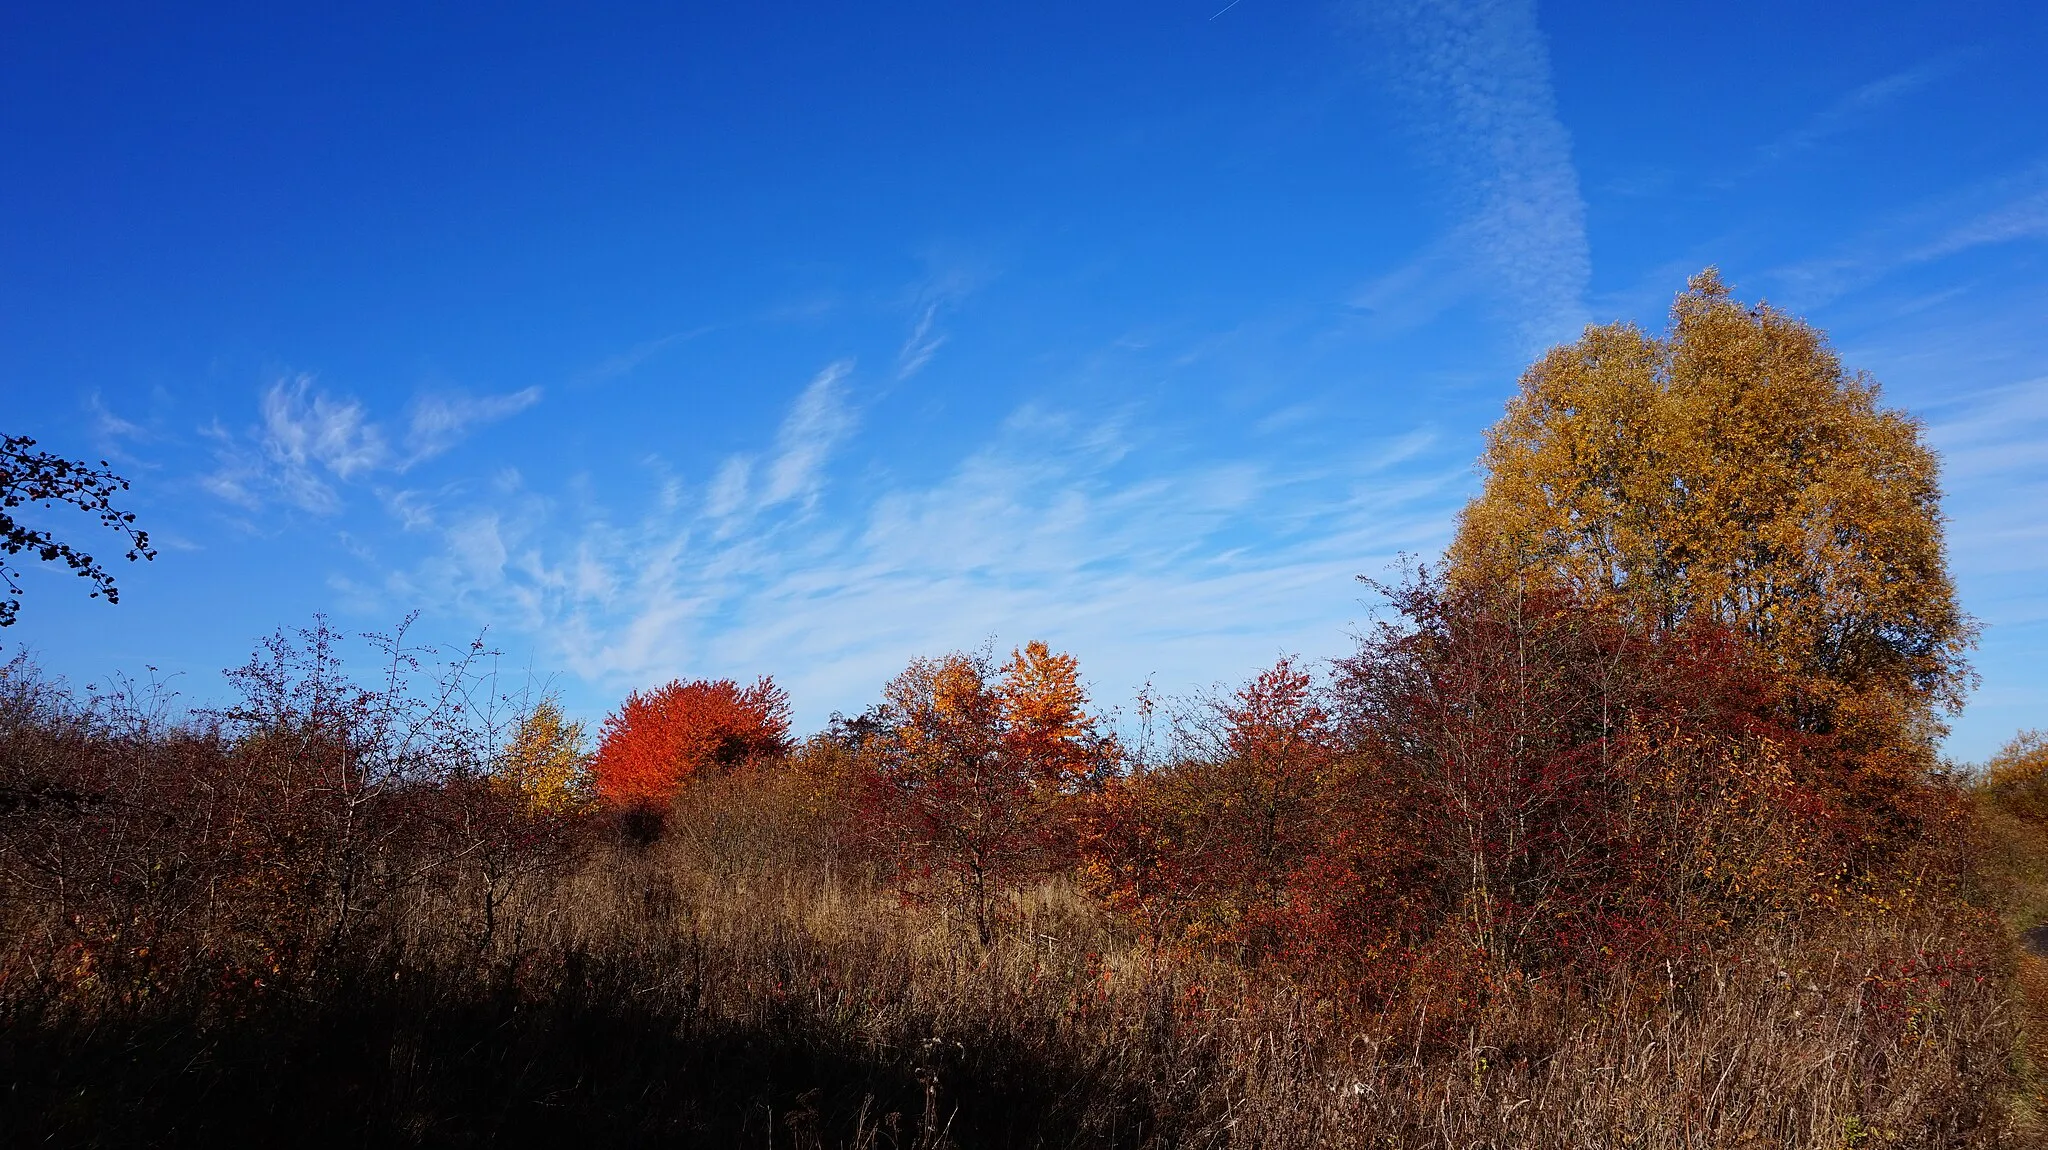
695, 340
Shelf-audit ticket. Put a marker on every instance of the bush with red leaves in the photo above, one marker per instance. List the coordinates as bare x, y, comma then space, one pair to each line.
657, 741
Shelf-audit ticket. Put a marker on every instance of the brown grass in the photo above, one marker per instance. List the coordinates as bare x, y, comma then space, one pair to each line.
2015, 872
705, 990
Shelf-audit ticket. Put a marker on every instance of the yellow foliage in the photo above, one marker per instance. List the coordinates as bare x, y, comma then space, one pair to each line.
2019, 771
1732, 470
545, 760
2012, 798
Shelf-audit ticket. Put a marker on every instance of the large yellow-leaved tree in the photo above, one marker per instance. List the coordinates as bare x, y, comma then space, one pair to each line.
1733, 470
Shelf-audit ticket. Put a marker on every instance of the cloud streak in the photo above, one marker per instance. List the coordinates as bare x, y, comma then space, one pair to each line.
2024, 218
1073, 529
625, 363
308, 442
439, 422
1476, 75
818, 420
1994, 449
2013, 209
1856, 107
917, 351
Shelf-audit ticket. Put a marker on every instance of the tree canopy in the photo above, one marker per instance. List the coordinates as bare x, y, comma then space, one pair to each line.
1733, 471
973, 763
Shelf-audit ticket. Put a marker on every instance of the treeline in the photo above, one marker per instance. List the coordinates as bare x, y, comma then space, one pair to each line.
1624, 826
1501, 783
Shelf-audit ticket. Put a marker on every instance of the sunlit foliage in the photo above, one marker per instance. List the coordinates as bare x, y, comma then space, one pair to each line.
657, 741
1503, 780
1204, 845
969, 765
1733, 471
2018, 775
545, 762
1624, 824
1045, 719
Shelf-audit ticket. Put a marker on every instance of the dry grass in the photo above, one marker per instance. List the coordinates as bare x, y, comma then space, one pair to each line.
748, 980
2015, 870
707, 990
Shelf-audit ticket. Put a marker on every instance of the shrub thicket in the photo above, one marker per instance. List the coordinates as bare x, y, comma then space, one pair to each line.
1516, 875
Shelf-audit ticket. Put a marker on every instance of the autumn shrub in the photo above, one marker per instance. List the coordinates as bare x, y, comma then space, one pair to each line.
1203, 846
1580, 787
2009, 797
321, 905
660, 740
969, 774
1501, 784
724, 988
2015, 781
257, 846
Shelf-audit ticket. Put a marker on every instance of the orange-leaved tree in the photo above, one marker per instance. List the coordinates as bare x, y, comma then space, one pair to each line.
657, 741
969, 764
1046, 724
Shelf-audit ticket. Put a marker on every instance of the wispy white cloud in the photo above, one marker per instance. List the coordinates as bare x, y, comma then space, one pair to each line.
817, 422
923, 343
1477, 75
117, 437
308, 440
728, 493
304, 427
305, 439
626, 362
1857, 107
109, 426
1434, 280
1069, 527
2012, 209
412, 509
1994, 448
441, 421
950, 277
2024, 218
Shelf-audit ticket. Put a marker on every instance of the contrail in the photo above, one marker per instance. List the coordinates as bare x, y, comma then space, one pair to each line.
1226, 8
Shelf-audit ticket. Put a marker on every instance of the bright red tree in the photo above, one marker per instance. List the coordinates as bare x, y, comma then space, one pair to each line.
656, 742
